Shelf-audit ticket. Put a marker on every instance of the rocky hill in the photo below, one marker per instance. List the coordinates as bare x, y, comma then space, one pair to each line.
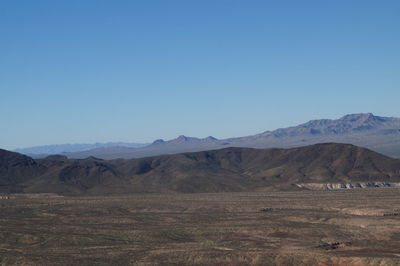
230, 169
15, 169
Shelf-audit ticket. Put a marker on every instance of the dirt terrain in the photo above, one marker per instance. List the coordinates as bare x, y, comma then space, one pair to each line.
338, 227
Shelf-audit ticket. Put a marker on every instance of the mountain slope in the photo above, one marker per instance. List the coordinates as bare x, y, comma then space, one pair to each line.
16, 168
381, 134
250, 168
230, 169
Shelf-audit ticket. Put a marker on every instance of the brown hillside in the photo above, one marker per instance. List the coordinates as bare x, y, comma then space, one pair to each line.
230, 169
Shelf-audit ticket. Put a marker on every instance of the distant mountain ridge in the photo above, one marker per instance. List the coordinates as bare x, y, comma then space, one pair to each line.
63, 148
381, 134
229, 169
178, 145
353, 123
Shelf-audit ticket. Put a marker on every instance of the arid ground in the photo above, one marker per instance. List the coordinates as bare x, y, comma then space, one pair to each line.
349, 227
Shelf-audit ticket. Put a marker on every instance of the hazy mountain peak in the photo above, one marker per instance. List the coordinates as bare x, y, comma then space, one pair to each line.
182, 138
158, 141
210, 138
185, 139
348, 125
362, 117
356, 116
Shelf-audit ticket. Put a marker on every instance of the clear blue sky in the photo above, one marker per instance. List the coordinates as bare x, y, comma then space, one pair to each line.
88, 71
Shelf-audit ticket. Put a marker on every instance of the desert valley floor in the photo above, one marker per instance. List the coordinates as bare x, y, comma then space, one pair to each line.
342, 227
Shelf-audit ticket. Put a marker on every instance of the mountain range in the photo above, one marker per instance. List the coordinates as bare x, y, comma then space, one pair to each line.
228, 169
381, 134
45, 150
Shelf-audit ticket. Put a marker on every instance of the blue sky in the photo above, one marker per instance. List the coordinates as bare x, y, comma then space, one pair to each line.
92, 71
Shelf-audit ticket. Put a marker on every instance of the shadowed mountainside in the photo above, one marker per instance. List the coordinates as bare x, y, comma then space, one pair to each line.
230, 169
381, 134
16, 168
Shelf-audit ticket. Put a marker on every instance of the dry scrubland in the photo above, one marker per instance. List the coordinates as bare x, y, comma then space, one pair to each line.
352, 227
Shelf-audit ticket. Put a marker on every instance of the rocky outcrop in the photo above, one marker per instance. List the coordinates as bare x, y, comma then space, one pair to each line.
335, 186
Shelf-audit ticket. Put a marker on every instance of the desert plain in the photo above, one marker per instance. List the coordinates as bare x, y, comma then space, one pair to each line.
337, 227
